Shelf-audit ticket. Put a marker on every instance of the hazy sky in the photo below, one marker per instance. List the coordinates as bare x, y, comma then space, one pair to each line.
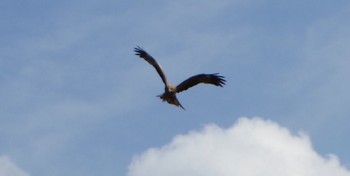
75, 100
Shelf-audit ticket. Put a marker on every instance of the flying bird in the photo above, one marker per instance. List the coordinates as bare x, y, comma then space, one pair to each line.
170, 91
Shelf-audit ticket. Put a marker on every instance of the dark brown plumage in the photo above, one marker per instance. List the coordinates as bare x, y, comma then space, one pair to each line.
169, 94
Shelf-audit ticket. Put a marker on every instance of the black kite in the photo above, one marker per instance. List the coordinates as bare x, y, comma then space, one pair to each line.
169, 94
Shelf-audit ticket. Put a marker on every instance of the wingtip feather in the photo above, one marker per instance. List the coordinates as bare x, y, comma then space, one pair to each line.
139, 51
220, 80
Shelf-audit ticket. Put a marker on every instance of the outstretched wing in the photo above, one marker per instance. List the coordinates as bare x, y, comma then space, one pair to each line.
143, 54
214, 79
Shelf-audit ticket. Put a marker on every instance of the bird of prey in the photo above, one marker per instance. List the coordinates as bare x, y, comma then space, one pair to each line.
169, 94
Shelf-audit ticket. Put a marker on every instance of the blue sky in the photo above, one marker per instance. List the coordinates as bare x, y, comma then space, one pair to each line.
75, 100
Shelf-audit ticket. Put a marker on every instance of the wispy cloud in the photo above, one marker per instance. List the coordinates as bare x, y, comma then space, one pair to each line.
9, 168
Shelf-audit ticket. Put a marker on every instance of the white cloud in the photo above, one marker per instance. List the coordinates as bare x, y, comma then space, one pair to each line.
251, 147
8, 168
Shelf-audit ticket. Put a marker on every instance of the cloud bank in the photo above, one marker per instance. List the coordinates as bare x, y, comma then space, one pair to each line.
251, 147
8, 168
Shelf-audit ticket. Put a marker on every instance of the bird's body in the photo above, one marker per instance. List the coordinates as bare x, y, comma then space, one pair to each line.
169, 96
170, 91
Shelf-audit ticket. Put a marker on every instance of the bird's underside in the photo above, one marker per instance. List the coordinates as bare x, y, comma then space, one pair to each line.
170, 97
170, 91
